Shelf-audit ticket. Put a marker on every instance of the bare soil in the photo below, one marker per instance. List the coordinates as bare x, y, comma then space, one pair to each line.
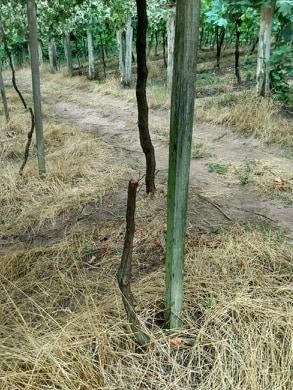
114, 120
214, 200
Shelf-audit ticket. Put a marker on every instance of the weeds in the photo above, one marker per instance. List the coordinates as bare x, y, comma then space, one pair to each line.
199, 150
249, 115
80, 170
219, 168
245, 171
220, 102
268, 180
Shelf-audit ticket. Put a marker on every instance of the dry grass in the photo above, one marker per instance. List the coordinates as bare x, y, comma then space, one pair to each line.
112, 86
261, 117
62, 320
249, 115
270, 180
63, 323
80, 169
158, 96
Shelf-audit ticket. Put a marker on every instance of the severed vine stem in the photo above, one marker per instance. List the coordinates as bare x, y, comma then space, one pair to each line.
29, 141
124, 272
31, 132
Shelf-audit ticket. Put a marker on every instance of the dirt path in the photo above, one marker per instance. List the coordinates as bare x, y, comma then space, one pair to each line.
214, 200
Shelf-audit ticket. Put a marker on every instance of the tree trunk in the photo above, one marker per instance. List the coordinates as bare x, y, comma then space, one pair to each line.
156, 43
120, 36
164, 50
210, 39
68, 53
85, 51
237, 52
91, 58
214, 41
23, 54
3, 95
124, 39
142, 104
33, 42
171, 39
53, 55
201, 37
181, 128
128, 53
103, 54
264, 51
150, 45
220, 40
40, 53
20, 55
253, 47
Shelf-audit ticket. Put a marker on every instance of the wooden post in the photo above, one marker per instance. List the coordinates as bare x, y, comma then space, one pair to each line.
171, 38
124, 41
3, 95
41, 61
128, 53
264, 50
33, 42
91, 57
53, 55
103, 56
181, 127
68, 53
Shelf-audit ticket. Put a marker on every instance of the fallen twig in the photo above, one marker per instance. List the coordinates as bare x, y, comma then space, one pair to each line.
256, 213
216, 206
220, 137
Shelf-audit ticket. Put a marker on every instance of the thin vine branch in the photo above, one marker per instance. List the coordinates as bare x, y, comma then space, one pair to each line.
31, 132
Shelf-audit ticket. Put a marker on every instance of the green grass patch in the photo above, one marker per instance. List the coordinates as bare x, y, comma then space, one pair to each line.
199, 150
244, 172
219, 168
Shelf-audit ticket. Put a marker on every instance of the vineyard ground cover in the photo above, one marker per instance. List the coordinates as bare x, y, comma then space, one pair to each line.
61, 243
220, 99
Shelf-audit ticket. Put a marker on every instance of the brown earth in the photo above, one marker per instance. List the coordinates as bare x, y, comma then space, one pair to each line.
114, 120
215, 201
